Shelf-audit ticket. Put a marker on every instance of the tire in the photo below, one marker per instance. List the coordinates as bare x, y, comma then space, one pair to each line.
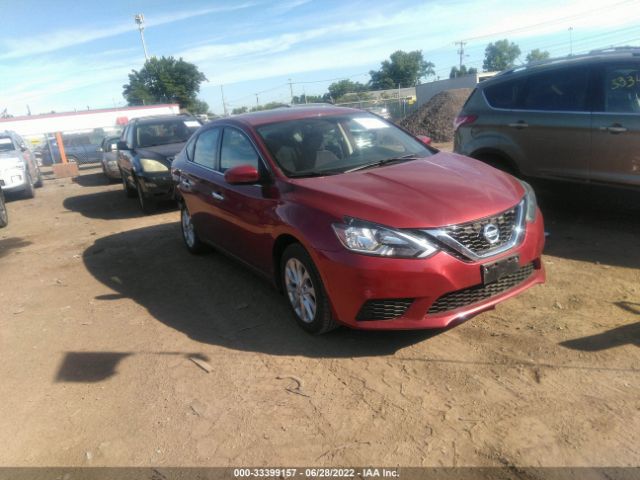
147, 205
300, 282
189, 234
128, 191
4, 215
39, 181
29, 191
71, 158
499, 163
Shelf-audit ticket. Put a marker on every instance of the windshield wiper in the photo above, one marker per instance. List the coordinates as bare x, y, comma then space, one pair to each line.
313, 173
385, 161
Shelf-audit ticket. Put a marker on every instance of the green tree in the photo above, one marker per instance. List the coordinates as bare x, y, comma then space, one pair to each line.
239, 110
500, 55
307, 99
536, 55
165, 80
403, 68
462, 71
339, 89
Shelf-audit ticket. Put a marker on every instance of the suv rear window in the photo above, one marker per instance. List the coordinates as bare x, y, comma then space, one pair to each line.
505, 94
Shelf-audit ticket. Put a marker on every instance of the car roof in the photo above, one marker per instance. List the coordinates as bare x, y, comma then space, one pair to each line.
284, 114
155, 118
594, 56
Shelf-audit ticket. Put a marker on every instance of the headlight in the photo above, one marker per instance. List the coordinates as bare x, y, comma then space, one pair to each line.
150, 165
371, 239
530, 202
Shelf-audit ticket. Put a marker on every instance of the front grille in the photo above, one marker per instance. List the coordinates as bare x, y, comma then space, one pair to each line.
471, 234
469, 296
384, 309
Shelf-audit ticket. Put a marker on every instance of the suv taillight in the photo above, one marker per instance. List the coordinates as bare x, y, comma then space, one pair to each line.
461, 120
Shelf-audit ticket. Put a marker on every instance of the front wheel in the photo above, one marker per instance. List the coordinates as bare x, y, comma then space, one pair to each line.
29, 190
4, 216
305, 292
128, 191
146, 204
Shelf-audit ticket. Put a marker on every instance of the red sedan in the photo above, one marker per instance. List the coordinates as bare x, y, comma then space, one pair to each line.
356, 221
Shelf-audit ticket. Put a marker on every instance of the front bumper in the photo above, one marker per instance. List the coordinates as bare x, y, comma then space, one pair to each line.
13, 179
156, 186
351, 280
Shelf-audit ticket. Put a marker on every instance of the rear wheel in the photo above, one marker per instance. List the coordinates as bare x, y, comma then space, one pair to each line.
4, 216
189, 234
305, 292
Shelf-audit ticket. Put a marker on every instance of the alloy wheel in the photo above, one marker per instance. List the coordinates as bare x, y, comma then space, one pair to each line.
300, 290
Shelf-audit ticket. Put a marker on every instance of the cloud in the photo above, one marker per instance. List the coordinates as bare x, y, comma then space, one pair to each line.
60, 39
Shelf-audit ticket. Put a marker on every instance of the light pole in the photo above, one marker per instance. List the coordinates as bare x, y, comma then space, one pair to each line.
570, 41
139, 17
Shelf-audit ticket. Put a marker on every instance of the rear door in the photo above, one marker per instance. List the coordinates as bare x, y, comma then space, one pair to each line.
198, 179
616, 125
551, 123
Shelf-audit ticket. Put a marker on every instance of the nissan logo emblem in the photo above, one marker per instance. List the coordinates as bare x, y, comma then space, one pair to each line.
491, 233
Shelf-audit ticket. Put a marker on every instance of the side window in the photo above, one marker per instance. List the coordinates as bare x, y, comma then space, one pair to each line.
558, 89
206, 147
236, 150
505, 94
189, 147
622, 89
129, 138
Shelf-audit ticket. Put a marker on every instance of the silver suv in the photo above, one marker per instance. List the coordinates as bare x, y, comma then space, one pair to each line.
576, 118
19, 170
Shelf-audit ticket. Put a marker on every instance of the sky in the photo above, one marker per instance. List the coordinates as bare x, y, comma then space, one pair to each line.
71, 54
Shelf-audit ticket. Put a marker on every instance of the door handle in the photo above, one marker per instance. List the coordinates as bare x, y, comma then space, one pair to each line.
519, 125
217, 196
614, 129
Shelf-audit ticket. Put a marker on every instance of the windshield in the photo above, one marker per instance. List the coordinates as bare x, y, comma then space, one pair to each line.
6, 144
320, 146
165, 131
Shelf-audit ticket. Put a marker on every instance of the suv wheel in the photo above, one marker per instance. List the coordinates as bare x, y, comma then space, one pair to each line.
39, 181
29, 191
189, 234
146, 204
4, 216
305, 292
128, 191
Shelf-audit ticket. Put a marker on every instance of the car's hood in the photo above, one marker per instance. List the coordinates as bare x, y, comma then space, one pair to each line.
168, 150
440, 190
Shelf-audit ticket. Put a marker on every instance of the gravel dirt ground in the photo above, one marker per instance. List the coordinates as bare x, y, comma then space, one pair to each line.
118, 348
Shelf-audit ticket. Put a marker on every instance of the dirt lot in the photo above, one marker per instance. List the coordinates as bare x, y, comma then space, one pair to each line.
104, 311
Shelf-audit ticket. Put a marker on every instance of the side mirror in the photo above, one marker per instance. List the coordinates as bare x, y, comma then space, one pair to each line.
242, 175
122, 145
100, 149
23, 148
424, 139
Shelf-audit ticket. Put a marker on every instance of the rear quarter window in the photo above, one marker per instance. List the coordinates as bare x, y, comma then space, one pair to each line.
505, 94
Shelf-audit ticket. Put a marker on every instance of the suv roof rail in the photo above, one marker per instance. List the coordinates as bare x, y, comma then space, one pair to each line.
634, 51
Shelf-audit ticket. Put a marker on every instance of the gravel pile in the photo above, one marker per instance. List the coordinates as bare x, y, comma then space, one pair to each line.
435, 118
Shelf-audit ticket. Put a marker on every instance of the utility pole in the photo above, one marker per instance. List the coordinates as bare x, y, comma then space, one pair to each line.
570, 41
291, 90
461, 51
224, 104
257, 101
139, 18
